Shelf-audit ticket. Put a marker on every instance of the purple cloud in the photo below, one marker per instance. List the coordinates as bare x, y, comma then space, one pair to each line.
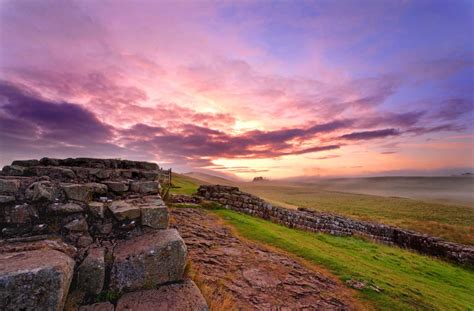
365, 135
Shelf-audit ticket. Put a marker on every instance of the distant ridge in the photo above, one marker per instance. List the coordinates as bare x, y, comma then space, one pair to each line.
211, 179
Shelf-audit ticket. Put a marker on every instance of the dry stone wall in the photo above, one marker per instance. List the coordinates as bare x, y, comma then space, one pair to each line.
306, 219
84, 228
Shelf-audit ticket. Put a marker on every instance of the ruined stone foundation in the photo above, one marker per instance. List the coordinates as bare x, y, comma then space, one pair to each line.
89, 234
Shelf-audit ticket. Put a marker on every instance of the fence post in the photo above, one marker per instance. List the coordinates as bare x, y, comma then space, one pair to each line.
169, 178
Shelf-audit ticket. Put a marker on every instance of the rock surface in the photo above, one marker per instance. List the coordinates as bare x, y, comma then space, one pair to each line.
145, 187
256, 277
40, 191
154, 216
77, 192
101, 306
91, 272
34, 280
148, 260
184, 296
125, 210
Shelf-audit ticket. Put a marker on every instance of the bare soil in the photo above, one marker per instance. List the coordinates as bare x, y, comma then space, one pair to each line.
257, 278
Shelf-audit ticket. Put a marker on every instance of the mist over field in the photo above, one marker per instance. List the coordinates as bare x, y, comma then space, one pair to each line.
458, 190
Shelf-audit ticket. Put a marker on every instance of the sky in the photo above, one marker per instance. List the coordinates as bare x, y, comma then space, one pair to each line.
242, 88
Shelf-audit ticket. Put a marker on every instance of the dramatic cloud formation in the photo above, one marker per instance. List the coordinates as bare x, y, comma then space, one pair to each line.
240, 87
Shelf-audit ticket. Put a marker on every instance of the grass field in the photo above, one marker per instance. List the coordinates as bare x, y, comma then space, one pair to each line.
451, 222
409, 281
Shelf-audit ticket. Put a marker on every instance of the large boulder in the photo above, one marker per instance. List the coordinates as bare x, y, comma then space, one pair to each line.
40, 191
34, 280
145, 187
174, 297
148, 260
9, 185
91, 272
124, 210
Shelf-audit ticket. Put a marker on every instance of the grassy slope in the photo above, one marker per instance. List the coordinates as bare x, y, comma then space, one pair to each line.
409, 281
184, 184
451, 222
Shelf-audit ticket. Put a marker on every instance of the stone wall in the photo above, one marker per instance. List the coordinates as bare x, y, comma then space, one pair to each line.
87, 227
306, 219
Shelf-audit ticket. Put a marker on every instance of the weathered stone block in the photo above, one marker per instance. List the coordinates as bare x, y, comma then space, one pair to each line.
77, 192
34, 280
97, 209
154, 216
124, 210
100, 173
173, 297
20, 214
145, 187
101, 306
77, 225
13, 170
6, 199
66, 208
91, 272
148, 260
117, 186
97, 188
9, 185
25, 163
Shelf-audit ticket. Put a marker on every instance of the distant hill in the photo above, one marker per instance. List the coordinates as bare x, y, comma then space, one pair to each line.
211, 179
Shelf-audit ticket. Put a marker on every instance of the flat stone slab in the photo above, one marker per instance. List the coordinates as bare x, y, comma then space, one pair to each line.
101, 306
117, 186
174, 297
124, 210
154, 216
148, 260
35, 280
77, 192
145, 187
9, 185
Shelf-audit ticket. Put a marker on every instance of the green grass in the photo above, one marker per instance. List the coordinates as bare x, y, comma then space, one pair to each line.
451, 222
183, 184
409, 281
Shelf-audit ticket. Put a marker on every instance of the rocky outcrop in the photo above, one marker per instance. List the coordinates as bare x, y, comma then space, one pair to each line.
99, 222
310, 220
174, 297
151, 259
34, 280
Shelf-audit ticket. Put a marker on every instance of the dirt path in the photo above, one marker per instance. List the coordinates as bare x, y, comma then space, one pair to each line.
256, 277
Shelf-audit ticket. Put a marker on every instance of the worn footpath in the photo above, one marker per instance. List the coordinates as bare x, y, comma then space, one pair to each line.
256, 277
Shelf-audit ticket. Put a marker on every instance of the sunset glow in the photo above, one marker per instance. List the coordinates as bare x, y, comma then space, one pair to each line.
243, 88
